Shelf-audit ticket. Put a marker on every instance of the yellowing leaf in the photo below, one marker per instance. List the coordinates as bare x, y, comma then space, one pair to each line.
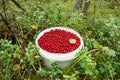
72, 41
34, 26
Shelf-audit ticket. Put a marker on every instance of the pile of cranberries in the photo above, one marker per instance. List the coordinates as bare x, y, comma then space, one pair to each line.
58, 41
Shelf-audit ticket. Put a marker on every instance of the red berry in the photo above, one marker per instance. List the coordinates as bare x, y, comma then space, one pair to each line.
57, 41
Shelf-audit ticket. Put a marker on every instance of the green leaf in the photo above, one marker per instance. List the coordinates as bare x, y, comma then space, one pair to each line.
66, 76
112, 53
108, 51
105, 48
16, 67
96, 44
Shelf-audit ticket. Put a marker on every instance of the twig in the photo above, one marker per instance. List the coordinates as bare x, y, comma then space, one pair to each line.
94, 10
5, 14
2, 19
18, 5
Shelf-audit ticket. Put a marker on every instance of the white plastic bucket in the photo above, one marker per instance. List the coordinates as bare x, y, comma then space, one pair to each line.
62, 60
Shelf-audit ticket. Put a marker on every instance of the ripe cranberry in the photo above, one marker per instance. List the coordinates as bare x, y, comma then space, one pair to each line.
58, 41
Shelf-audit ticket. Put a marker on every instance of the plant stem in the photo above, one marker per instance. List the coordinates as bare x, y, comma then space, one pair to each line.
85, 77
79, 58
34, 67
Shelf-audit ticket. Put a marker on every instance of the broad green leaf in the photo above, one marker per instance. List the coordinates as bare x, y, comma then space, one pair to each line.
96, 44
